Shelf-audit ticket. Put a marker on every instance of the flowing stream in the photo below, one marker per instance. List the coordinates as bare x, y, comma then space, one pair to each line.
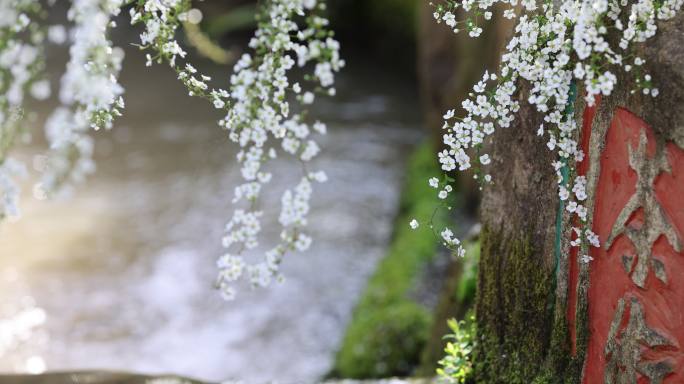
120, 275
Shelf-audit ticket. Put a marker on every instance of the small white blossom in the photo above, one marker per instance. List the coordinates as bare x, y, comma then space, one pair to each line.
593, 238
414, 224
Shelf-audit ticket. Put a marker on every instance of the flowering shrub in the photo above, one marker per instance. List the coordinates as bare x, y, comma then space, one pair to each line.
257, 104
557, 46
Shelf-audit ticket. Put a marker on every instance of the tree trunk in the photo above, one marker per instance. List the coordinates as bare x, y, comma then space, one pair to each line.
543, 315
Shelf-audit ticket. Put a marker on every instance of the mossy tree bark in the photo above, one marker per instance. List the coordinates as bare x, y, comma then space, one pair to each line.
524, 287
516, 302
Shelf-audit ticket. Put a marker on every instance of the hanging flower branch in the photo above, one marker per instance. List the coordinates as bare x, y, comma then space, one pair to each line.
90, 95
257, 106
259, 118
21, 64
556, 45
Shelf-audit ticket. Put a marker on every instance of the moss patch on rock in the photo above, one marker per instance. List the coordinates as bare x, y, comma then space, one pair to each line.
388, 330
386, 342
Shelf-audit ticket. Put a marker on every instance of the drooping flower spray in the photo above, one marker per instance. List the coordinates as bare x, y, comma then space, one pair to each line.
556, 46
292, 37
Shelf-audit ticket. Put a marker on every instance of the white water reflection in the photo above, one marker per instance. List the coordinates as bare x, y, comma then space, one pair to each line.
22, 332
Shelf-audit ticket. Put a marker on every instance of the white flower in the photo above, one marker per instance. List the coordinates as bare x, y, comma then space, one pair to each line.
57, 34
447, 236
308, 98
593, 238
414, 224
40, 90
460, 252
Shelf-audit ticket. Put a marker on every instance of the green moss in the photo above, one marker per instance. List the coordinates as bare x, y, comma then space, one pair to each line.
513, 308
386, 342
388, 330
522, 335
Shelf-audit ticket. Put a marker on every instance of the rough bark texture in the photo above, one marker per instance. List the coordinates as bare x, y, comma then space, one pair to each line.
522, 302
515, 304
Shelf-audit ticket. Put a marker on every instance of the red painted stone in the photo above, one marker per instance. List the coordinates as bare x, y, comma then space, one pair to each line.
659, 298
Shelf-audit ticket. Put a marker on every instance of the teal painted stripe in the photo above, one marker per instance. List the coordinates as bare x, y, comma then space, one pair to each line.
565, 173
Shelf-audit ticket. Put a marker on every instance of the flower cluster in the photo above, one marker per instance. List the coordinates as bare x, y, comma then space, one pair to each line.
21, 62
290, 34
90, 94
292, 37
9, 200
556, 46
446, 235
260, 96
161, 19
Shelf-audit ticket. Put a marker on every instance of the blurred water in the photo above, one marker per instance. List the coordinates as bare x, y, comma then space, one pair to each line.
119, 277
